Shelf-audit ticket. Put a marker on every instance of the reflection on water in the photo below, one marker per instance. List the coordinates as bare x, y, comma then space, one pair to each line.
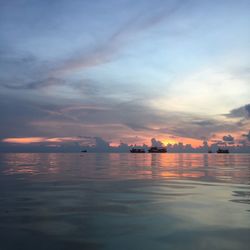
232, 168
124, 201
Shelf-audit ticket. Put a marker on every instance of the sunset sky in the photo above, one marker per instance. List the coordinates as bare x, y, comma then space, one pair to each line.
124, 70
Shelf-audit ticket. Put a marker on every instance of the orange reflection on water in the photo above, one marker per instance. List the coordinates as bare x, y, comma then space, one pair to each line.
205, 167
20, 164
25, 163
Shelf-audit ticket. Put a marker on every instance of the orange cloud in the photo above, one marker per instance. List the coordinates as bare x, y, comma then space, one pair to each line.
24, 140
28, 140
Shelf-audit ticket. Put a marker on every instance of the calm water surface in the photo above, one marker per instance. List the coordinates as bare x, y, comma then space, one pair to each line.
124, 201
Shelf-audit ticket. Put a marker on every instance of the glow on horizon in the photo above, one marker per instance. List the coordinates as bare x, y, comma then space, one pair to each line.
30, 140
24, 140
60, 140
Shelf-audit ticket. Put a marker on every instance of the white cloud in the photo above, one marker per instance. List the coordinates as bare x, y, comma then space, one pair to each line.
208, 91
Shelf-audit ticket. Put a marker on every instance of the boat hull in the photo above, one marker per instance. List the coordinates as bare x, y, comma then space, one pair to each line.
137, 151
157, 150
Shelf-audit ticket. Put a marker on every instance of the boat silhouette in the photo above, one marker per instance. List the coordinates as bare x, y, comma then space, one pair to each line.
222, 151
137, 150
157, 150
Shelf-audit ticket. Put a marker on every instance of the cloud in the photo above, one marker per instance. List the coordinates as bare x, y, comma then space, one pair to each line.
99, 116
30, 140
204, 123
107, 51
23, 71
195, 126
101, 144
241, 112
247, 136
228, 138
156, 143
39, 84
136, 118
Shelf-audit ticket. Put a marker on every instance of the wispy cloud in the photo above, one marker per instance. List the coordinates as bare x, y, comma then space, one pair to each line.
37, 84
23, 71
106, 51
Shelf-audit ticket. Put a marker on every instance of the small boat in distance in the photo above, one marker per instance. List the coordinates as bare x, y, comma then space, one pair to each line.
137, 150
157, 150
84, 151
222, 151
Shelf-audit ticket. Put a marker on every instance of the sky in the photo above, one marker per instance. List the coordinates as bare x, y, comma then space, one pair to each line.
124, 71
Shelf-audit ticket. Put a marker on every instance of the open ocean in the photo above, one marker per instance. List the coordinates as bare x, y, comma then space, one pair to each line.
124, 201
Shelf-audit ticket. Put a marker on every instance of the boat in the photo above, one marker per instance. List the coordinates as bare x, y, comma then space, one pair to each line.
222, 151
84, 151
157, 150
137, 150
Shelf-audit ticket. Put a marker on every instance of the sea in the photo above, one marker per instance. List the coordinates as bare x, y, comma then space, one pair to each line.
124, 201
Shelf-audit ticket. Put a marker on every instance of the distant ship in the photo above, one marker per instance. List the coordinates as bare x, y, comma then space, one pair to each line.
157, 150
222, 151
137, 150
84, 151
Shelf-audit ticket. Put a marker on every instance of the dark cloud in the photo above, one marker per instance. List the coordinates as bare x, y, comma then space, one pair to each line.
194, 126
228, 138
247, 136
16, 116
241, 112
20, 71
156, 143
204, 123
51, 81
100, 117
